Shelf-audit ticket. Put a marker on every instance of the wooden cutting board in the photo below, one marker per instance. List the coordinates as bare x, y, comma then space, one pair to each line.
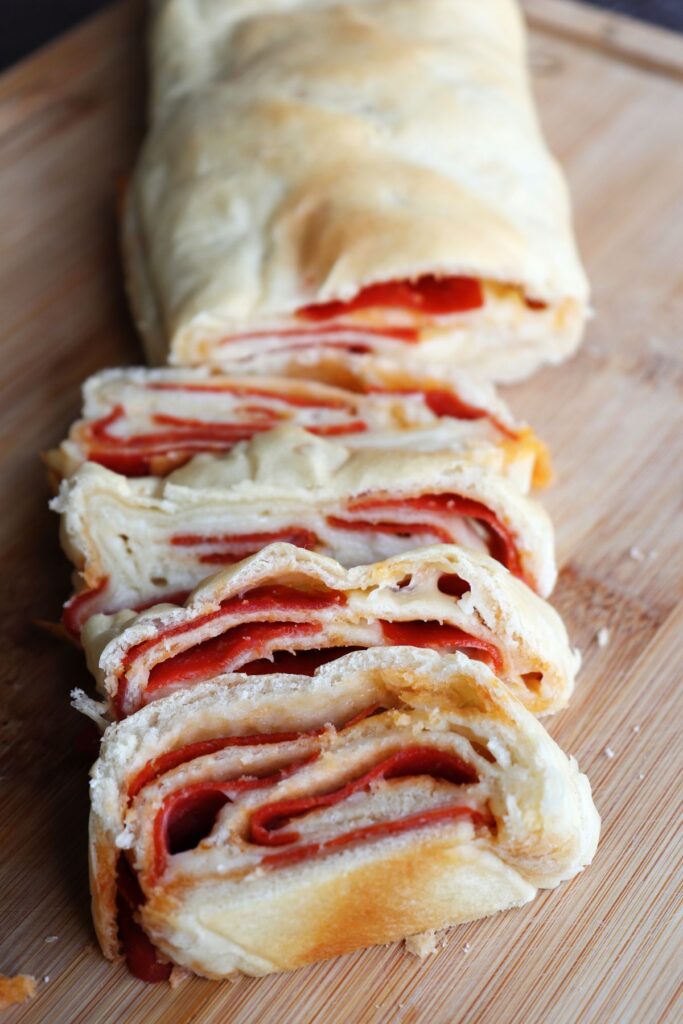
602, 948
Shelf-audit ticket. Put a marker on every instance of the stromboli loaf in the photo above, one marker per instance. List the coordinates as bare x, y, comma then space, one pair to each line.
353, 196
322, 178
287, 609
436, 799
136, 542
138, 421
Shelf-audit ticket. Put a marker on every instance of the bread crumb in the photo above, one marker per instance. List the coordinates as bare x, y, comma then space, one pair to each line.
49, 939
636, 554
15, 990
602, 636
421, 945
608, 752
178, 975
46, 978
636, 728
641, 776
467, 947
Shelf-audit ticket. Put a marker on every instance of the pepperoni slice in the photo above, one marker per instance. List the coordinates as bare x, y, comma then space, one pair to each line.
158, 766
430, 295
500, 539
265, 827
78, 608
231, 547
440, 636
135, 455
140, 954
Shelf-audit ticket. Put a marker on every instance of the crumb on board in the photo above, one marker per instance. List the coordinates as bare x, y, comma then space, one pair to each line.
422, 945
178, 975
16, 990
636, 728
602, 636
46, 978
49, 939
467, 947
638, 555
608, 752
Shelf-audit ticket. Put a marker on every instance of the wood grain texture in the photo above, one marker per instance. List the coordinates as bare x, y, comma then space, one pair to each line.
605, 947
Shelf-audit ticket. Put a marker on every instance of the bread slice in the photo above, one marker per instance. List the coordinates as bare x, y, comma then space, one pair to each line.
288, 609
135, 542
395, 791
138, 421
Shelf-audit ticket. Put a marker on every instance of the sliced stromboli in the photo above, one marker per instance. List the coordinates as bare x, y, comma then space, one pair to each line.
137, 542
262, 824
422, 217
290, 610
142, 422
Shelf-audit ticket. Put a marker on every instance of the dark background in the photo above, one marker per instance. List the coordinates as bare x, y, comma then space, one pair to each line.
27, 24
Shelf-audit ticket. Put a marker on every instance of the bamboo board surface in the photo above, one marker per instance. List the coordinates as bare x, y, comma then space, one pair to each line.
603, 948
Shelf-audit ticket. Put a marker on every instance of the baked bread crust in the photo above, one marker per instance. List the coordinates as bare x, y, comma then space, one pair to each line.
536, 660
418, 153
255, 919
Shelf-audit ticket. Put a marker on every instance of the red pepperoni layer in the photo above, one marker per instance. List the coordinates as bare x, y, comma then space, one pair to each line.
79, 608
446, 403
429, 295
248, 391
188, 815
141, 956
266, 824
240, 646
221, 653
231, 651
450, 583
437, 531
501, 541
234, 546
383, 828
439, 636
135, 455
158, 766
331, 336
258, 601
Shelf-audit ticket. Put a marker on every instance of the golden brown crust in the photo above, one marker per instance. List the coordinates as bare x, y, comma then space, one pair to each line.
433, 884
